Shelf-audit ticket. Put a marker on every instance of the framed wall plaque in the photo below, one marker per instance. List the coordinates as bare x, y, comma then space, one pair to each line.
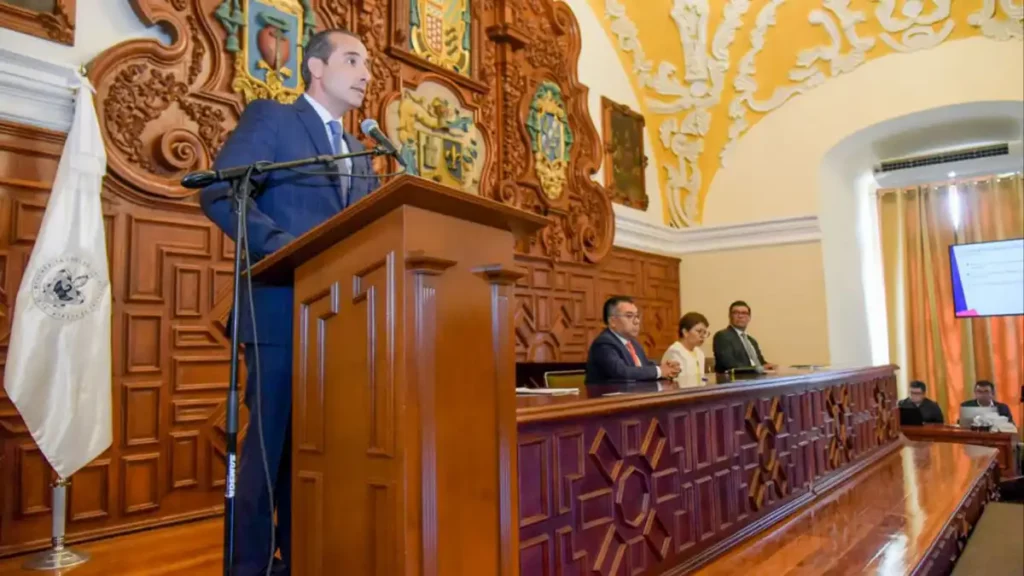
624, 158
50, 19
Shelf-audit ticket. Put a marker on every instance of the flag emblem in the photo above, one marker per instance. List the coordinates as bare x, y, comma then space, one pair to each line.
67, 288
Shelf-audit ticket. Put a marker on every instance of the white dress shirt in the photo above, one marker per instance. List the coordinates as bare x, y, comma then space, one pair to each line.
325, 117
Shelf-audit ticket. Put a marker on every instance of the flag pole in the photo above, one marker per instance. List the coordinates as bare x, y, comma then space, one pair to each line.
57, 556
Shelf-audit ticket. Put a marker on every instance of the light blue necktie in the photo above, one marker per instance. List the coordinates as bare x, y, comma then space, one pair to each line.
342, 166
754, 360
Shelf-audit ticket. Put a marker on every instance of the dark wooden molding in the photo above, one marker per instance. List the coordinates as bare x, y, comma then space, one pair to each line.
423, 263
500, 274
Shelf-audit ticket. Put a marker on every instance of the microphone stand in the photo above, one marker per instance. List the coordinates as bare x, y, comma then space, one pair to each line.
240, 177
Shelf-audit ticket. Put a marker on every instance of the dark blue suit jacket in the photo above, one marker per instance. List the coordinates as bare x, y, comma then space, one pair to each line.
286, 205
608, 361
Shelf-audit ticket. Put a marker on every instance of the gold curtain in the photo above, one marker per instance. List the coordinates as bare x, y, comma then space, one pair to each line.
930, 344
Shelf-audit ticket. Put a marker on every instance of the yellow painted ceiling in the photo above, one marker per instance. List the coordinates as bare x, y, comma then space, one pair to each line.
705, 71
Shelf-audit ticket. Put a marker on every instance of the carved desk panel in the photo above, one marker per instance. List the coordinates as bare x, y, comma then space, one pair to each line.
653, 477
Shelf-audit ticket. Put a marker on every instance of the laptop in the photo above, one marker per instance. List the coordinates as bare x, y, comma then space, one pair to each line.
911, 416
967, 414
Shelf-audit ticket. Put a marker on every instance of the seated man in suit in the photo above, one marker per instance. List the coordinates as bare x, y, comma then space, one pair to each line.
930, 411
985, 396
288, 204
616, 355
733, 347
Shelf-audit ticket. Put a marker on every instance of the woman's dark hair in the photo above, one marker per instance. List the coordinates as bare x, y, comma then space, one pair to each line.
691, 320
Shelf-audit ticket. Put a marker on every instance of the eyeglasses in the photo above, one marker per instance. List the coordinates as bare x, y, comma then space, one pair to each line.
631, 316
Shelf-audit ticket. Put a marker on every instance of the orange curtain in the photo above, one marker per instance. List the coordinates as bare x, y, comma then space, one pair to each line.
917, 226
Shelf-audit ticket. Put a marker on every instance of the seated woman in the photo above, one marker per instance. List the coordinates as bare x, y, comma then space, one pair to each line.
693, 329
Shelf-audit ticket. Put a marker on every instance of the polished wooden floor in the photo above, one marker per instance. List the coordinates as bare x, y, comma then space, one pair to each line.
193, 549
881, 522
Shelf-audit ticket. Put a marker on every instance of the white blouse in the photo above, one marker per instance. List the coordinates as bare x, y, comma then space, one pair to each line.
691, 362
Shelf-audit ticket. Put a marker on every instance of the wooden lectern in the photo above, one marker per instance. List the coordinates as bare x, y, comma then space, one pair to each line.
403, 413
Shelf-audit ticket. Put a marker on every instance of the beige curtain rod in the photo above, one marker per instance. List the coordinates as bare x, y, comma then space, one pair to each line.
943, 184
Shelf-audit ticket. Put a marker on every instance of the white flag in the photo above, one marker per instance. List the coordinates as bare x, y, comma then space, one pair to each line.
58, 362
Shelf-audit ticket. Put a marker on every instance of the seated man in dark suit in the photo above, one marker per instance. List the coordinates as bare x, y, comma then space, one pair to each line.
733, 347
985, 396
616, 355
930, 411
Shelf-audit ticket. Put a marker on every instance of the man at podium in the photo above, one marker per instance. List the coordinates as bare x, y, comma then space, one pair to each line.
285, 205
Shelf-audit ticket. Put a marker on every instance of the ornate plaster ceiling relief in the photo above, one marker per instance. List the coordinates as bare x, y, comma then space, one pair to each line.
696, 119
1007, 28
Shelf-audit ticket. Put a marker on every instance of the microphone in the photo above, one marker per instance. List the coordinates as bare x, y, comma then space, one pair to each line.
372, 129
200, 179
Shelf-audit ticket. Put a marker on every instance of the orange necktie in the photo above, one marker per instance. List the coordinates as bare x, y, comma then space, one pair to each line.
632, 352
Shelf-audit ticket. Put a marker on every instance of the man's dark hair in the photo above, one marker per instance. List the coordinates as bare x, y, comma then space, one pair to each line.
985, 384
737, 304
918, 385
691, 320
320, 46
612, 303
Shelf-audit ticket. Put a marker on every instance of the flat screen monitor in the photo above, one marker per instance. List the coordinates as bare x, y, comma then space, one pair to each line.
988, 278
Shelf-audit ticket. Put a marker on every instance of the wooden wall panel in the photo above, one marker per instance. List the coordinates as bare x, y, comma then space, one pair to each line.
166, 110
559, 305
170, 360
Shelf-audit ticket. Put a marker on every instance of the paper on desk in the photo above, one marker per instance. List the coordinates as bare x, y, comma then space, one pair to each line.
548, 391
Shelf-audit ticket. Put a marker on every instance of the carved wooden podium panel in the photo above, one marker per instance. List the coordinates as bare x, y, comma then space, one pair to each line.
404, 396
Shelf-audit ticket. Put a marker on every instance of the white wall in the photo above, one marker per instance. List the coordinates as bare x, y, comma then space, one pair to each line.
765, 180
849, 210
99, 25
601, 70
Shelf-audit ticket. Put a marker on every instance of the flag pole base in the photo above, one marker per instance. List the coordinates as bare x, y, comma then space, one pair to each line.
56, 558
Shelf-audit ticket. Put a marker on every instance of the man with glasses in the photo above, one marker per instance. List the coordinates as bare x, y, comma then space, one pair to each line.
616, 355
734, 348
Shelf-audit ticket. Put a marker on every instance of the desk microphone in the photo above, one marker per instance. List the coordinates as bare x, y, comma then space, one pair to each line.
372, 129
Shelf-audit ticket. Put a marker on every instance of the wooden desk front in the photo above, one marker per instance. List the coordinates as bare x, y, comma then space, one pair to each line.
1005, 442
644, 478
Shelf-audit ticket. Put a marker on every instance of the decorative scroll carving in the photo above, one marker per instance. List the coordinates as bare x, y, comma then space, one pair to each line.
57, 24
539, 41
137, 98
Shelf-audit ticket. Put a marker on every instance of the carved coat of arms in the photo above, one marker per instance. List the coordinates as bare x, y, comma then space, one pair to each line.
437, 137
440, 33
267, 38
551, 138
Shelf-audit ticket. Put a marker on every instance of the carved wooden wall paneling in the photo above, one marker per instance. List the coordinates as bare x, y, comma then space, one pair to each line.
169, 269
559, 306
167, 110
